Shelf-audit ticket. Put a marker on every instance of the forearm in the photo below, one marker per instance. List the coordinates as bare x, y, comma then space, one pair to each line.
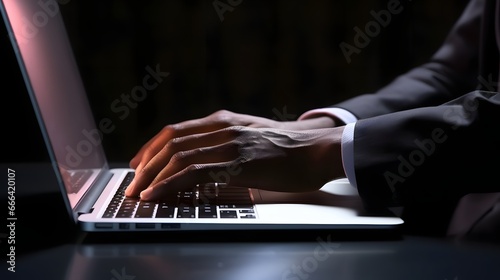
431, 153
316, 122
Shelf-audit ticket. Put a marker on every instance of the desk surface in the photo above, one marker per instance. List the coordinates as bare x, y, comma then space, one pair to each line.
322, 257
51, 248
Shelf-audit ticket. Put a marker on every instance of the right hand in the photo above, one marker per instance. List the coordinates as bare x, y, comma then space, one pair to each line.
216, 121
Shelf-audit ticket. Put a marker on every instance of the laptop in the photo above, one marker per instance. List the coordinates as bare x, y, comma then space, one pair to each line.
94, 193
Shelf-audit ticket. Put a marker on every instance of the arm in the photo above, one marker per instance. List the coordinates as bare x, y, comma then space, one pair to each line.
245, 150
430, 153
404, 137
158, 162
450, 73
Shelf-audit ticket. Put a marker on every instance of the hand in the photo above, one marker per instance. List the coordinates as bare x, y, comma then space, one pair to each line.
219, 120
216, 121
243, 156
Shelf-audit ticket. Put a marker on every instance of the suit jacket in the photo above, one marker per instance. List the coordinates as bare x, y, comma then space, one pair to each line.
433, 134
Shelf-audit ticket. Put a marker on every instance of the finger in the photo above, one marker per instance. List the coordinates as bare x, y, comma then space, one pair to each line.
176, 154
197, 158
182, 160
145, 174
151, 148
213, 122
134, 162
185, 180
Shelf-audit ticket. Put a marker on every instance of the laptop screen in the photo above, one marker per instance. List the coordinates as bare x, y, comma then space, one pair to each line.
57, 92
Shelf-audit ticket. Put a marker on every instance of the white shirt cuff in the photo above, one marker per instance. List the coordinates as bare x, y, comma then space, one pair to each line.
347, 137
348, 153
341, 114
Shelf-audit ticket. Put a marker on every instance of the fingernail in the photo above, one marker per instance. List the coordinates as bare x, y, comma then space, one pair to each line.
129, 189
144, 194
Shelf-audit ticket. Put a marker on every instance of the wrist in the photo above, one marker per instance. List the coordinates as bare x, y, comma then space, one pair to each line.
338, 115
326, 155
333, 155
311, 123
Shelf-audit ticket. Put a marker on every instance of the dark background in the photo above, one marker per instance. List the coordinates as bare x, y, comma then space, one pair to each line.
264, 58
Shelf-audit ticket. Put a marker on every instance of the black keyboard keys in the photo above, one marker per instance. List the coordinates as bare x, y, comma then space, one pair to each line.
186, 212
187, 204
207, 211
165, 210
127, 208
228, 214
145, 209
206, 202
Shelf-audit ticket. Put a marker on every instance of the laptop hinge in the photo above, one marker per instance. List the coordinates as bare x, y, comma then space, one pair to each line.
87, 202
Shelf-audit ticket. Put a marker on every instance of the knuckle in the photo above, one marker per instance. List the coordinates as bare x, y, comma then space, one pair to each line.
186, 156
146, 171
172, 143
193, 168
169, 128
149, 152
222, 112
223, 116
179, 157
173, 130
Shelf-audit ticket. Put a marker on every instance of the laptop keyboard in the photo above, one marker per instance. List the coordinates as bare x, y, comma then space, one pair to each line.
203, 202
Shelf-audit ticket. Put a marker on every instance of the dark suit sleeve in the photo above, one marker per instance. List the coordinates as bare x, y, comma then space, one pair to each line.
451, 72
429, 136
426, 159
431, 153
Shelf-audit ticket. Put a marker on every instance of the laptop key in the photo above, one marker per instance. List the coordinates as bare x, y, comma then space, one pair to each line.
108, 214
186, 212
207, 211
127, 208
124, 215
145, 209
229, 206
228, 214
128, 179
248, 216
165, 210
